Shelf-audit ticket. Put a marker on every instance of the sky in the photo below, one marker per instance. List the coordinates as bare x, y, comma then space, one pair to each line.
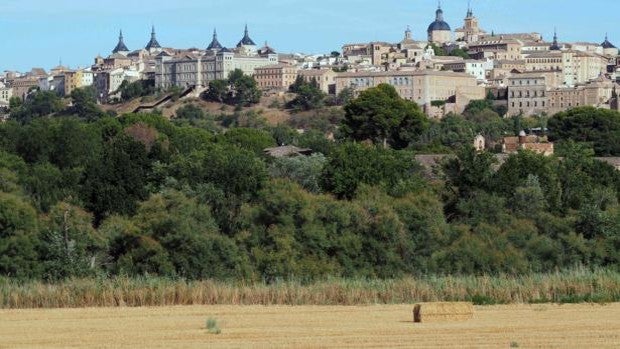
42, 33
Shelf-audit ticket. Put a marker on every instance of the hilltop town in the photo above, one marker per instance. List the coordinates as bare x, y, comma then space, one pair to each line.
442, 72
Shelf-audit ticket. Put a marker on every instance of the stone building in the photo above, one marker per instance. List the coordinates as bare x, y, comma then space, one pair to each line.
576, 67
527, 94
437, 92
496, 48
277, 77
537, 144
596, 93
439, 31
217, 62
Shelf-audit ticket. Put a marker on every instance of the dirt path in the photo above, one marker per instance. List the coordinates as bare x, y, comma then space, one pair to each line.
523, 326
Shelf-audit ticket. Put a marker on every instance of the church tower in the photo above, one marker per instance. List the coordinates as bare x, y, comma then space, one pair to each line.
153, 46
121, 48
470, 32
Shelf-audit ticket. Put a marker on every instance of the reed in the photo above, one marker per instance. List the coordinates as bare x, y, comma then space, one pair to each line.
571, 286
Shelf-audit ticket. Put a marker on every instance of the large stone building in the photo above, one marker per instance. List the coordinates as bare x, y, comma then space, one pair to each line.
276, 77
527, 94
439, 31
496, 48
577, 67
437, 92
596, 93
217, 62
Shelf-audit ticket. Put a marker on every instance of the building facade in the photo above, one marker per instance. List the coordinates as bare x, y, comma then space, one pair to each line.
277, 77
527, 94
216, 63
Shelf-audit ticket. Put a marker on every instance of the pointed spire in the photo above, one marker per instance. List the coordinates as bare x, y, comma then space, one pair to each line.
120, 47
555, 46
215, 44
470, 13
153, 44
246, 41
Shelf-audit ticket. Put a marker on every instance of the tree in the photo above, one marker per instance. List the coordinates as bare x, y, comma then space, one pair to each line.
85, 103
587, 124
304, 170
247, 138
71, 246
351, 165
116, 191
190, 112
36, 105
309, 95
239, 89
380, 115
188, 233
18, 240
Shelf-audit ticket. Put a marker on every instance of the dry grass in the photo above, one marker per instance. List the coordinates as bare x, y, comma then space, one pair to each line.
525, 326
562, 287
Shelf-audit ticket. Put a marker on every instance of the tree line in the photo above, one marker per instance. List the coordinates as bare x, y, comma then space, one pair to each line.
89, 194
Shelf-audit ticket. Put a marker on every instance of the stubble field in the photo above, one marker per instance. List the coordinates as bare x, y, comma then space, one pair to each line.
523, 326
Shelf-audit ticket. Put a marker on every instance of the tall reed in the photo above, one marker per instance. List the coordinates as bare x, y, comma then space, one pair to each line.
577, 285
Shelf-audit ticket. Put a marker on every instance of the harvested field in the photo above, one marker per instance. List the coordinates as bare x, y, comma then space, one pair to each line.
523, 326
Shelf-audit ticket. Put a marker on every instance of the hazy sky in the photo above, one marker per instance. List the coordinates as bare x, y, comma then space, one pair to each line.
41, 32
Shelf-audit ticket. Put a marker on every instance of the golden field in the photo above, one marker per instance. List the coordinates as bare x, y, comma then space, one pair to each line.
523, 326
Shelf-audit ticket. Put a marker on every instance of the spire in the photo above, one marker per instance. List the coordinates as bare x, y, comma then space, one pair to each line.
214, 45
120, 47
439, 13
246, 41
470, 13
555, 46
606, 44
152, 44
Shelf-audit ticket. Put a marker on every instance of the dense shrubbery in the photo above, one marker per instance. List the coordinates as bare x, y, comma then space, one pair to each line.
140, 195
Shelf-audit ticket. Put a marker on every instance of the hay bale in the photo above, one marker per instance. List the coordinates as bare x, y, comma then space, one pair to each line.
443, 311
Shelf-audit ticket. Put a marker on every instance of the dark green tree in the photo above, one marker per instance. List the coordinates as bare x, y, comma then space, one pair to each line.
380, 115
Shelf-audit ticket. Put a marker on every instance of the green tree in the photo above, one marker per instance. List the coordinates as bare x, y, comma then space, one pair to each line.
380, 115
71, 246
189, 235
85, 103
36, 105
599, 127
304, 170
351, 165
18, 240
190, 112
115, 182
309, 96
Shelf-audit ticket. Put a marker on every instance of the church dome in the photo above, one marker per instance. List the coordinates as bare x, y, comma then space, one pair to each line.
439, 23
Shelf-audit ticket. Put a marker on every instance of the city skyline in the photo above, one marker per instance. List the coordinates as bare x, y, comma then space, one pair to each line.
75, 34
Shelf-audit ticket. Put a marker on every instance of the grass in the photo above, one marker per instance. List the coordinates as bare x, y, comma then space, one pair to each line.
573, 286
212, 326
